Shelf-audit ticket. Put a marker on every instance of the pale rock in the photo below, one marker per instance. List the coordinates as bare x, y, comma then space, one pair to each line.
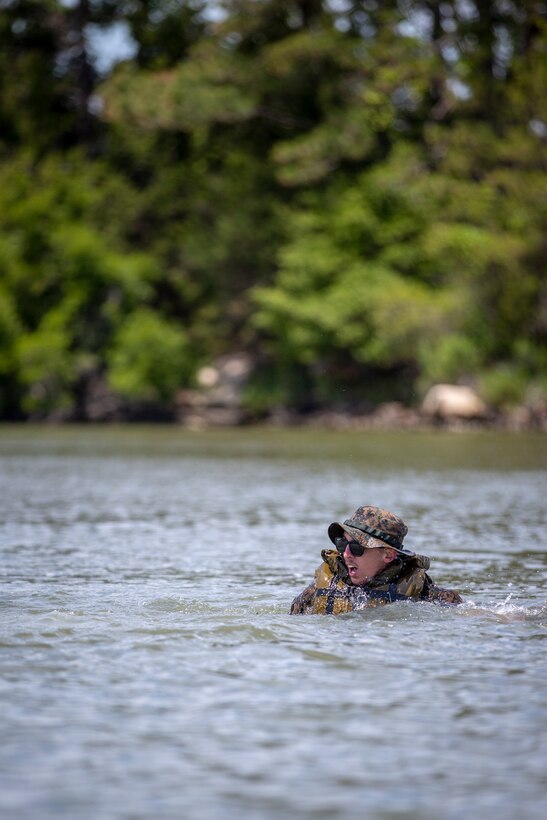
207, 376
453, 401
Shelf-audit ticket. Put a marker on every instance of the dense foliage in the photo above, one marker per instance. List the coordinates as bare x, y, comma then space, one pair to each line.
353, 192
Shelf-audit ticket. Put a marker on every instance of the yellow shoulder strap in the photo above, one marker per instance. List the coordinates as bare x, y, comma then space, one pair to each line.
323, 576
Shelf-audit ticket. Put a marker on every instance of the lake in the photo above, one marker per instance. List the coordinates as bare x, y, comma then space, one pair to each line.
149, 668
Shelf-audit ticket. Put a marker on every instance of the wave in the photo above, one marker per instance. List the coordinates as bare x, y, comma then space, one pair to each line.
506, 610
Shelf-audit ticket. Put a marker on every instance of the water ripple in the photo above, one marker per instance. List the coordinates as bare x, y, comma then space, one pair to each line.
149, 666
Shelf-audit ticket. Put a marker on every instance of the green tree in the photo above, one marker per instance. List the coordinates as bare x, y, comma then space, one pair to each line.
149, 358
353, 191
68, 287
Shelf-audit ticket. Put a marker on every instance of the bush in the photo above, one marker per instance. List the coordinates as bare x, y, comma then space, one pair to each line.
504, 385
150, 358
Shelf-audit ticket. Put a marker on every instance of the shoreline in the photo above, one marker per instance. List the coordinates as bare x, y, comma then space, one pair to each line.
387, 417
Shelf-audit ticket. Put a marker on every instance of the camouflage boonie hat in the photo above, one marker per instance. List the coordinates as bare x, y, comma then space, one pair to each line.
372, 522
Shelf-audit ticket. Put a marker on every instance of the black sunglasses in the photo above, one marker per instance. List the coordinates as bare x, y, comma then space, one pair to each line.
355, 547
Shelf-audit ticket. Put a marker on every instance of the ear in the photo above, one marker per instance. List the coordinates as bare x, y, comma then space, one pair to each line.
389, 555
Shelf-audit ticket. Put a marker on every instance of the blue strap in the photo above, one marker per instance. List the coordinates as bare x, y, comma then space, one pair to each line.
389, 596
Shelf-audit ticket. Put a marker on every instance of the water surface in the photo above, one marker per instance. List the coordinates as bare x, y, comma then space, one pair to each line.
149, 668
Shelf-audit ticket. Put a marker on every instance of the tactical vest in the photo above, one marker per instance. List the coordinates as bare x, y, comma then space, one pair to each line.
333, 593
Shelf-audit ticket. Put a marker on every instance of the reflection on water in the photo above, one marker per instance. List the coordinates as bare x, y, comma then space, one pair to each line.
149, 667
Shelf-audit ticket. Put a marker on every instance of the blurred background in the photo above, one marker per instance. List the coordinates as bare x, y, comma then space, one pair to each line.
341, 203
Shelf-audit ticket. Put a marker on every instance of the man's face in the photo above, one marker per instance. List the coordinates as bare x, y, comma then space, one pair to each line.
361, 568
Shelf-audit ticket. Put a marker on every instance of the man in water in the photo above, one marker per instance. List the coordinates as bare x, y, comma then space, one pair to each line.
369, 567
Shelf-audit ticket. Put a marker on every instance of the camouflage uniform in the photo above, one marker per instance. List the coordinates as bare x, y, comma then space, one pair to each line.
404, 579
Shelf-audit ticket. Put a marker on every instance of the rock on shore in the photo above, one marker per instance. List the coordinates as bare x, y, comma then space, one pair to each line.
217, 402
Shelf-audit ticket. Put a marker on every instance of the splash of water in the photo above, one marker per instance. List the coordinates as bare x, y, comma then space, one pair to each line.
505, 611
